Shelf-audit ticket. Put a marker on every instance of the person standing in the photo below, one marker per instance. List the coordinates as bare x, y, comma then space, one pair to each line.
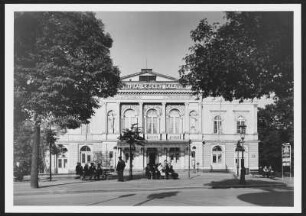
79, 170
120, 169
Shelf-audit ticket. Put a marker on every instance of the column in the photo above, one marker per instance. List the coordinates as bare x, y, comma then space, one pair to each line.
163, 121
200, 119
186, 125
117, 119
140, 116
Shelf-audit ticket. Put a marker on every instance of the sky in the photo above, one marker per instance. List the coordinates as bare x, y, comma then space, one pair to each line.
155, 40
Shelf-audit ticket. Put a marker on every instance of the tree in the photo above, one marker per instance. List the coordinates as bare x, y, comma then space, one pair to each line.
132, 137
275, 127
249, 56
62, 68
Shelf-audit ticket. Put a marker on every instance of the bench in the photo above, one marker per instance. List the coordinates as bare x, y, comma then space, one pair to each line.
255, 173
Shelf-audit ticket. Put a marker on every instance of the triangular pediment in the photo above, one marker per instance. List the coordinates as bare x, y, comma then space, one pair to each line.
146, 75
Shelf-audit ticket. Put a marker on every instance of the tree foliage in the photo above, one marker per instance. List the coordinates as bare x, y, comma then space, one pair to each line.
275, 127
249, 56
62, 68
62, 65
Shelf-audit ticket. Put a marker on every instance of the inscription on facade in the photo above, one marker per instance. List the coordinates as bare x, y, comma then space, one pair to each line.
152, 86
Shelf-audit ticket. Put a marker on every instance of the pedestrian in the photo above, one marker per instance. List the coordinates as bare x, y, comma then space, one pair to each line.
166, 168
79, 170
99, 171
120, 169
270, 172
85, 171
161, 171
265, 171
92, 170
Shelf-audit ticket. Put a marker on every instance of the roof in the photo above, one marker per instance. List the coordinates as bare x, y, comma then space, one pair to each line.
149, 71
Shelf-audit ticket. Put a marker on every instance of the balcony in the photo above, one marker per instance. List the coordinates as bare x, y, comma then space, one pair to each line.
175, 136
153, 136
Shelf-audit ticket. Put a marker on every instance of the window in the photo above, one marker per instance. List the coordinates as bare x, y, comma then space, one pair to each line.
151, 122
193, 122
110, 122
217, 124
240, 122
59, 163
217, 154
175, 122
129, 118
85, 154
174, 154
147, 78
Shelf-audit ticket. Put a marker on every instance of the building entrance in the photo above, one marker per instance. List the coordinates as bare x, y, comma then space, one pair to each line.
152, 155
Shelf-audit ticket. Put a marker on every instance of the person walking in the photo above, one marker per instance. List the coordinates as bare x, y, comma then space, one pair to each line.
120, 169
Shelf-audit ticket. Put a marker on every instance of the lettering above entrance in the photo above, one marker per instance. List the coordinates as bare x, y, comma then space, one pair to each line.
163, 85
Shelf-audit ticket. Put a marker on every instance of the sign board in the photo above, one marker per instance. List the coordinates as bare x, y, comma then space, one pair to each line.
286, 154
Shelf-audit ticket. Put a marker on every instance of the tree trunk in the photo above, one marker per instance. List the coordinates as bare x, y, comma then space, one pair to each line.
35, 154
131, 163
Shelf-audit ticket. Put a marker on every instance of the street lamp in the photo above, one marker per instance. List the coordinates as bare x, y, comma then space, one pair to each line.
188, 148
203, 143
242, 171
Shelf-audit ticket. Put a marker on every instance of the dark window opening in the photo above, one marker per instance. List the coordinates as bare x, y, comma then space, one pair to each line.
147, 78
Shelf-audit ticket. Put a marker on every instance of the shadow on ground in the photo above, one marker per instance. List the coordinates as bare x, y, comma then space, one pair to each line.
269, 197
158, 196
122, 196
228, 183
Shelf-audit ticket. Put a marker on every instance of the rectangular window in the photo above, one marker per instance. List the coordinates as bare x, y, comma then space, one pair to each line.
214, 158
83, 158
219, 158
155, 125
147, 78
60, 163
65, 163
88, 158
149, 125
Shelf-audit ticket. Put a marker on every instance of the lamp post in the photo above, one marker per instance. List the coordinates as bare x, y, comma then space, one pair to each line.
203, 143
188, 147
242, 171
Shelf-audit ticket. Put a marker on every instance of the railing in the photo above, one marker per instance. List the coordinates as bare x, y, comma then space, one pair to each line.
175, 136
153, 136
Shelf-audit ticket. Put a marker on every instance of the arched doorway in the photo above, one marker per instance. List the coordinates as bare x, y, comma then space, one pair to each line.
85, 154
217, 157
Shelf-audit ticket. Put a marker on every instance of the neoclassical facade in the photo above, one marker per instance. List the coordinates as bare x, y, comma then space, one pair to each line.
172, 119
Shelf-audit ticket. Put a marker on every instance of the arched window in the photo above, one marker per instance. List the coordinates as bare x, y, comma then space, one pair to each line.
129, 118
151, 122
217, 154
85, 154
193, 122
217, 124
240, 122
110, 122
175, 122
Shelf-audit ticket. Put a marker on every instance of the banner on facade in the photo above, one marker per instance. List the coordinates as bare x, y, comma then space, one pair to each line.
286, 154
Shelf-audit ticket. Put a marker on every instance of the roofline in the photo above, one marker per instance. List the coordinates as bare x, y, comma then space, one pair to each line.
150, 72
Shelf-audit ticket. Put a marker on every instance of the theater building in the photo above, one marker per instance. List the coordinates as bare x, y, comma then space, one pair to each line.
172, 119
